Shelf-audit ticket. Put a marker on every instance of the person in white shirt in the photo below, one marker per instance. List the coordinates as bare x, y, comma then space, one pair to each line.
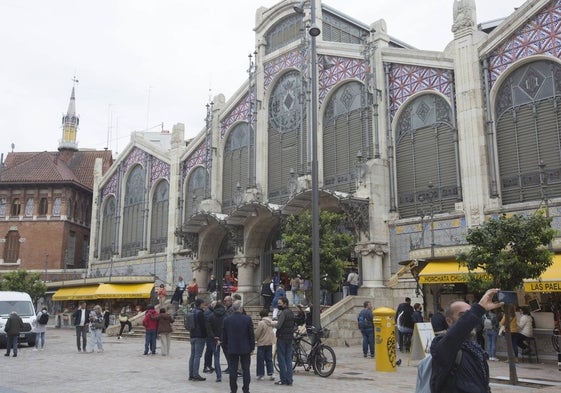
352, 279
81, 322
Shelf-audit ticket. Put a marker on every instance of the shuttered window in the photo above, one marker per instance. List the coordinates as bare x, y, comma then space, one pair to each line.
195, 190
236, 165
529, 133
159, 219
133, 212
108, 229
426, 155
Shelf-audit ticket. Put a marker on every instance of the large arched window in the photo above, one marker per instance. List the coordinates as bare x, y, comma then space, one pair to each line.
198, 179
11, 247
133, 212
108, 229
528, 127
235, 168
287, 135
159, 221
346, 133
427, 162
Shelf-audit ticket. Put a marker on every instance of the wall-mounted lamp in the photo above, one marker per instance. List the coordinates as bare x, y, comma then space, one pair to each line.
299, 8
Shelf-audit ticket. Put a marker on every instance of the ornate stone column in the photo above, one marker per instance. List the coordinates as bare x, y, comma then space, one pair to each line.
372, 263
246, 273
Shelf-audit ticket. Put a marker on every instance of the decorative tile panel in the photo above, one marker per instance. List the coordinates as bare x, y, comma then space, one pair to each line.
406, 80
240, 112
541, 35
197, 158
292, 59
111, 186
333, 69
160, 170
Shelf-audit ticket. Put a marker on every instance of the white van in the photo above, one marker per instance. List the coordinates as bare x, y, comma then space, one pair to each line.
21, 303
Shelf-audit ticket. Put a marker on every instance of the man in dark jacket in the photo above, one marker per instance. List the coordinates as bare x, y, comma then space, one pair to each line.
197, 338
215, 323
238, 339
472, 373
404, 322
285, 335
207, 368
14, 326
81, 321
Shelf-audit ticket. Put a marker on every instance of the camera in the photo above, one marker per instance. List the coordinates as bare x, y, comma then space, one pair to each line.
508, 297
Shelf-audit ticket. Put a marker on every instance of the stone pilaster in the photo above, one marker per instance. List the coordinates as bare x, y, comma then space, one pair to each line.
372, 263
247, 267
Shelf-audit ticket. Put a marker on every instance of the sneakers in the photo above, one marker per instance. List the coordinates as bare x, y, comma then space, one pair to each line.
271, 377
197, 378
218, 380
35, 349
260, 378
494, 359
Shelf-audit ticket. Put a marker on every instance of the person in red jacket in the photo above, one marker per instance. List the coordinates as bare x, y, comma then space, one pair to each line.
150, 322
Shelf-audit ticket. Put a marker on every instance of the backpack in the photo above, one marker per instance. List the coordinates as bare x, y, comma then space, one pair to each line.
362, 320
424, 373
189, 320
43, 318
487, 323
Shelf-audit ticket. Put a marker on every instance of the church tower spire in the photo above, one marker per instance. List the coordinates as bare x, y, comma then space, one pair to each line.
70, 123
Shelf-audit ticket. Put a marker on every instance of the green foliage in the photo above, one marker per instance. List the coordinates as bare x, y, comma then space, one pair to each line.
509, 249
335, 247
23, 281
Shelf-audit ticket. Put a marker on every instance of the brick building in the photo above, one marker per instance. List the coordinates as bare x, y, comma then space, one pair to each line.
45, 204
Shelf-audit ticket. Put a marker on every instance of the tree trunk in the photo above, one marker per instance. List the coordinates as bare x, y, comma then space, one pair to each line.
509, 314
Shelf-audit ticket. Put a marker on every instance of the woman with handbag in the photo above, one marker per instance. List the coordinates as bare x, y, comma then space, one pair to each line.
96, 326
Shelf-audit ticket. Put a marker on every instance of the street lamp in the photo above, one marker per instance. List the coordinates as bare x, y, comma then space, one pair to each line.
46, 267
431, 197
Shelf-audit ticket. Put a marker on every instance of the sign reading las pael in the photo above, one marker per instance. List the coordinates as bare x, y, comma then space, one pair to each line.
545, 286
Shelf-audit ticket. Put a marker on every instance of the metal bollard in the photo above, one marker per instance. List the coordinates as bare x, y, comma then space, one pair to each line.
384, 339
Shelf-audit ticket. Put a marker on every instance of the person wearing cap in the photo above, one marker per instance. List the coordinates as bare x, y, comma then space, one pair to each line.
295, 286
197, 339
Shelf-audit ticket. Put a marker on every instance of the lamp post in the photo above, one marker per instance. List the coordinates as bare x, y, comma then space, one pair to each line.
46, 267
431, 197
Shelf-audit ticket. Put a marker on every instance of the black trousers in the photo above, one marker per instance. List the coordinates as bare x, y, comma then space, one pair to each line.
233, 361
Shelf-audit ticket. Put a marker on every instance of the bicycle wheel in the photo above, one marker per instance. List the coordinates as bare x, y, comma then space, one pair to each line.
324, 361
276, 361
295, 354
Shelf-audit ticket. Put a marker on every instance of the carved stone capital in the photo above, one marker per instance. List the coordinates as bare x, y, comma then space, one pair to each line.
378, 249
246, 262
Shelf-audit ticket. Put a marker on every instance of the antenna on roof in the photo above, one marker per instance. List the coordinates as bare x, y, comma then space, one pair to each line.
13, 146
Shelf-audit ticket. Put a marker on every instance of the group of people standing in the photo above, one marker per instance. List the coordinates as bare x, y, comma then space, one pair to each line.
224, 325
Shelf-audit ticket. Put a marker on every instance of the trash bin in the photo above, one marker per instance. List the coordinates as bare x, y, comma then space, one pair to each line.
384, 339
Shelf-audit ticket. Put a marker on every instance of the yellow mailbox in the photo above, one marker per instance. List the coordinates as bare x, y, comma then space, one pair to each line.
384, 338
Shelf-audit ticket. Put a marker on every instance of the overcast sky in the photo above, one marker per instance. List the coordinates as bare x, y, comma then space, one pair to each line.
142, 63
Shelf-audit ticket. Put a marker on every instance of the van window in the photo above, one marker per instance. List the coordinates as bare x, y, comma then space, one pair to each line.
22, 307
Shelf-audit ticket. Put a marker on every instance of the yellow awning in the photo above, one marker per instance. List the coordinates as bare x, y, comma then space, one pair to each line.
124, 291
445, 272
75, 293
550, 280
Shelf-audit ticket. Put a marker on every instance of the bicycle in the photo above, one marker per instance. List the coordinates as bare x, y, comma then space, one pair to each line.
311, 354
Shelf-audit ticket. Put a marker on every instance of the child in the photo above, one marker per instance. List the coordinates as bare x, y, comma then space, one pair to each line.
265, 338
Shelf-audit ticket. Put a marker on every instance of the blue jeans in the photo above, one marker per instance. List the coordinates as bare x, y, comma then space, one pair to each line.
12, 343
491, 342
40, 340
197, 348
95, 340
215, 352
284, 355
367, 341
150, 341
264, 358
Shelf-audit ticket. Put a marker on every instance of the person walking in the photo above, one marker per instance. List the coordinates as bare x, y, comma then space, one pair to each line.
267, 292
197, 339
353, 280
295, 287
96, 327
215, 323
81, 320
238, 339
472, 372
192, 291
41, 328
285, 335
162, 294
279, 292
13, 327
366, 326
150, 323
404, 323
124, 321
165, 327
264, 338
209, 348
491, 332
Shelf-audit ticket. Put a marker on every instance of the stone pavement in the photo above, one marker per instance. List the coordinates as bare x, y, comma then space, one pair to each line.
123, 368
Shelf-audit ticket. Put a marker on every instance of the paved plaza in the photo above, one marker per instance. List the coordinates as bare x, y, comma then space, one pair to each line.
123, 368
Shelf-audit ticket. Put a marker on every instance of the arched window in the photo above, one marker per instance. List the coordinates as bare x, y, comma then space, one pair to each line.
57, 206
16, 207
235, 168
528, 124
29, 207
133, 212
346, 132
426, 154
195, 190
43, 206
2, 207
108, 227
287, 135
11, 248
159, 221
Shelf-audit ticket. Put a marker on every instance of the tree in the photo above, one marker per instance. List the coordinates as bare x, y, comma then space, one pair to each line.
509, 249
335, 247
23, 281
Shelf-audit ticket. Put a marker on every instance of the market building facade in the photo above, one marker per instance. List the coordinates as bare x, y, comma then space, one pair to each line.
414, 147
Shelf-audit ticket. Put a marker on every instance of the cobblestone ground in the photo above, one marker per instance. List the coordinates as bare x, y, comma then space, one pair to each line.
123, 368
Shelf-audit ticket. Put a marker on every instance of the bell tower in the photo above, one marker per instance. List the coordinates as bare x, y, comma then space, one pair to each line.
70, 123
